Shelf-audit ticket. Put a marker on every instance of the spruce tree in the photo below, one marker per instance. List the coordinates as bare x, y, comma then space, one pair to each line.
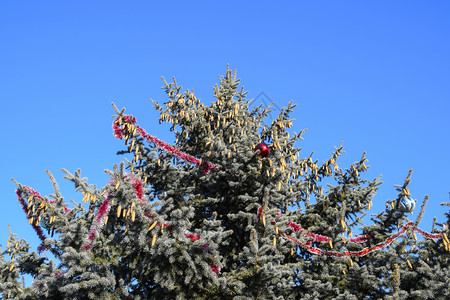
232, 210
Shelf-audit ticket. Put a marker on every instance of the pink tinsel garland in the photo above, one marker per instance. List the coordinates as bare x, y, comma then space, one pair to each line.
138, 187
192, 236
320, 238
118, 133
36, 228
215, 269
116, 127
100, 218
65, 208
316, 237
98, 223
364, 251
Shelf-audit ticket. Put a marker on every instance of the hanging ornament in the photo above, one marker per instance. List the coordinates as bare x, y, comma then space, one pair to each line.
264, 150
406, 204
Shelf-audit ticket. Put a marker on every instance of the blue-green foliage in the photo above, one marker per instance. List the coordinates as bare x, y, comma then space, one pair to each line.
219, 234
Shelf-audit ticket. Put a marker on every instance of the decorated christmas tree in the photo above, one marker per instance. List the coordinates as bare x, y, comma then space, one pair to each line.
231, 210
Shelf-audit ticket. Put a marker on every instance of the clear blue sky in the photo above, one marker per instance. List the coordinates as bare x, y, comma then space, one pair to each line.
374, 74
